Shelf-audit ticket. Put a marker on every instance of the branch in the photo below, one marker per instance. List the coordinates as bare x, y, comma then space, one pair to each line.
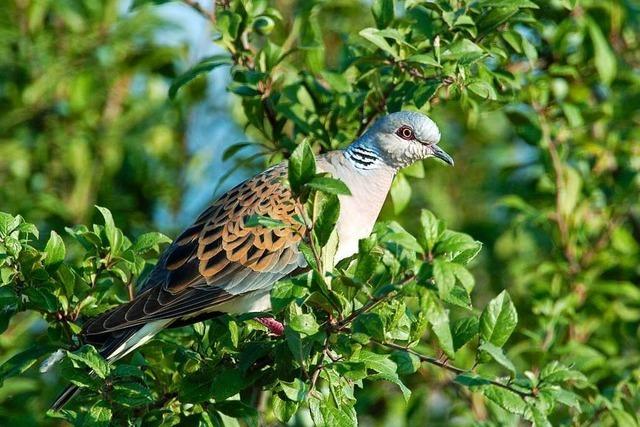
380, 108
451, 368
211, 16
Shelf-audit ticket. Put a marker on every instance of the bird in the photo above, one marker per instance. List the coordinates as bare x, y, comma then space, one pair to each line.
220, 265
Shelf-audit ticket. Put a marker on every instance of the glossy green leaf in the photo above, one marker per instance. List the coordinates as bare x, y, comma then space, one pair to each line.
302, 167
55, 250
498, 320
329, 185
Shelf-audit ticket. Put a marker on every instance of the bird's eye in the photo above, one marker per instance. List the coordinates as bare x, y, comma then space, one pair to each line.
405, 132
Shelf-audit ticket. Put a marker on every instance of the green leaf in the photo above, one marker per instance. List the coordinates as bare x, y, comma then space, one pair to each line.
443, 274
570, 190
88, 356
464, 330
522, 4
238, 409
196, 387
325, 413
605, 59
535, 414
148, 241
424, 59
374, 36
471, 380
114, 236
54, 250
464, 276
228, 23
202, 67
329, 185
302, 167
304, 323
131, 394
459, 296
453, 242
380, 363
338, 82
415, 170
384, 366
506, 399
557, 373
498, 320
7, 223
256, 220
41, 299
27, 228
371, 324
296, 390
400, 236
483, 89
465, 51
431, 228
425, 92
498, 355
400, 193
327, 208
233, 149
383, 11
407, 363
438, 318
98, 415
624, 419
226, 383
284, 409
565, 397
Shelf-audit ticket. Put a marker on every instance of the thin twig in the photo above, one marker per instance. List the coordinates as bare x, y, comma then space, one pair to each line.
451, 368
370, 305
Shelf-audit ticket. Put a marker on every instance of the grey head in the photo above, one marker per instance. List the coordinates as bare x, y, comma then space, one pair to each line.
397, 140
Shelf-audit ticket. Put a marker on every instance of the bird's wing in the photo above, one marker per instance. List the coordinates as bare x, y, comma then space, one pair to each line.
218, 258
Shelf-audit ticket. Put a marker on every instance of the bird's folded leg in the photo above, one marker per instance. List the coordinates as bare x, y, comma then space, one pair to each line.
274, 326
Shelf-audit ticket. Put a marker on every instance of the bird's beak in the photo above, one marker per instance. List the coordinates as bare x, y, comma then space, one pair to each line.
441, 154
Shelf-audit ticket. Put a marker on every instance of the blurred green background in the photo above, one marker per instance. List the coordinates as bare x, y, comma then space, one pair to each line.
547, 177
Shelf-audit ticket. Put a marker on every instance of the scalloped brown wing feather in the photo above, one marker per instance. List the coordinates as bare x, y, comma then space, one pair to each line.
218, 258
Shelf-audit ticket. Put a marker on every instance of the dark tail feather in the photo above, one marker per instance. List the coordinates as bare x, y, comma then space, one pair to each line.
68, 394
107, 344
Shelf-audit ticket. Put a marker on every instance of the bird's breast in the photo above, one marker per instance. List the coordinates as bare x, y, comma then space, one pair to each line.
359, 211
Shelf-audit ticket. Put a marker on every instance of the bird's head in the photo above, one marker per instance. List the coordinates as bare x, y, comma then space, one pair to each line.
398, 140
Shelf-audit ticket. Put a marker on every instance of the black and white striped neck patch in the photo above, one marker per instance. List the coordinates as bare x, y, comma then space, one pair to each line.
363, 158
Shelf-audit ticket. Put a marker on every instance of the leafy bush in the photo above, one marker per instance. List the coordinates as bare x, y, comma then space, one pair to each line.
362, 322
544, 95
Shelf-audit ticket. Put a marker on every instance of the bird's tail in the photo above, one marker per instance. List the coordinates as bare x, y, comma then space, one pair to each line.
69, 393
114, 346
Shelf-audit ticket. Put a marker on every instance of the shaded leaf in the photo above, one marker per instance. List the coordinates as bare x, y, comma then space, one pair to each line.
202, 67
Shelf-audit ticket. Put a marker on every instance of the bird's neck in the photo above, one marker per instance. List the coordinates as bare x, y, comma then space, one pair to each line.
364, 156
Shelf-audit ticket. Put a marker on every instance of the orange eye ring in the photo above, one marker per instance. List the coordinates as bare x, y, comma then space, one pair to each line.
405, 132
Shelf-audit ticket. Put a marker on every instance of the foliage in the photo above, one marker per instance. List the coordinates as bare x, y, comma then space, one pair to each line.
84, 118
541, 325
